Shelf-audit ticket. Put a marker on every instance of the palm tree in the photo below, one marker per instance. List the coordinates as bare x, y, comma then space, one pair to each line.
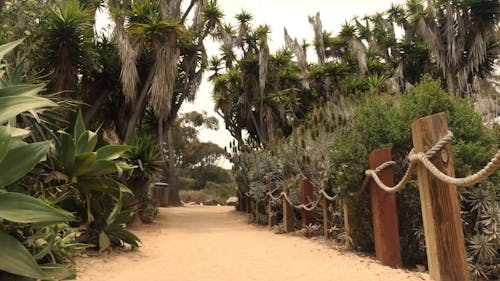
460, 36
257, 92
67, 41
155, 35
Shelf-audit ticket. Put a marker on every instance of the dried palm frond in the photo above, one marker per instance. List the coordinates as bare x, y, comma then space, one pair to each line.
300, 54
263, 59
428, 32
360, 51
318, 37
128, 56
197, 75
162, 87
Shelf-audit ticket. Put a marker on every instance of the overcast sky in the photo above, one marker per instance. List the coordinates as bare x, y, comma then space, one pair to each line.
278, 14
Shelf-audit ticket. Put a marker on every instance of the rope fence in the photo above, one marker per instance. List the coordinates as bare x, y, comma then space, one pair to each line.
423, 158
414, 158
438, 196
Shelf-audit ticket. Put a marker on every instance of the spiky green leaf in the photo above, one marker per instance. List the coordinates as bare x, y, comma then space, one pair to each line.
22, 208
15, 258
18, 161
12, 106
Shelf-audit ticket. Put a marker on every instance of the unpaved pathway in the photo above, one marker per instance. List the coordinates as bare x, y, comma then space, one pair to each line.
216, 243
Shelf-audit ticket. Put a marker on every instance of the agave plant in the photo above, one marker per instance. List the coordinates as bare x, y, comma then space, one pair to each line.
19, 211
145, 154
92, 186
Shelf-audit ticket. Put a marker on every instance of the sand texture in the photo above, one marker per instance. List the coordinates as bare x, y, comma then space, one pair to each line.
216, 243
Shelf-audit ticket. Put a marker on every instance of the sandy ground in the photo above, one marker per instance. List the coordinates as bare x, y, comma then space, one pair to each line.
216, 243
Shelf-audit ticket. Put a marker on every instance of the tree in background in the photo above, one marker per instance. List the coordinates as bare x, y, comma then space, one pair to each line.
256, 93
197, 160
163, 57
461, 39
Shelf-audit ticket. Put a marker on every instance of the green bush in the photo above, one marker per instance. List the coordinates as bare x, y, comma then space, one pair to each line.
186, 183
221, 191
87, 182
385, 121
265, 174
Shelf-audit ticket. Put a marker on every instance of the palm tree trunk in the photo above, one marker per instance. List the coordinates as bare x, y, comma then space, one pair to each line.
140, 105
169, 170
91, 111
452, 83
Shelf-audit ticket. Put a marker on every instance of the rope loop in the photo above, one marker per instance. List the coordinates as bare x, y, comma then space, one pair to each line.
423, 158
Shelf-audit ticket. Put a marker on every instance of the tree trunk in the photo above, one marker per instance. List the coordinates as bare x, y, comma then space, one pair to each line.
169, 168
91, 111
452, 84
138, 110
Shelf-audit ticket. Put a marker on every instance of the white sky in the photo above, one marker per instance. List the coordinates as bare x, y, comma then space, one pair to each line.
278, 14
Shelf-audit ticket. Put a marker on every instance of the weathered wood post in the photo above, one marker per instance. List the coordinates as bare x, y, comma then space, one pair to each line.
384, 212
248, 204
327, 215
444, 236
271, 219
244, 203
256, 211
306, 197
347, 228
240, 203
288, 216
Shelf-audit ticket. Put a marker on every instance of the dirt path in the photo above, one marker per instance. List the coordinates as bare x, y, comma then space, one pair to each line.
216, 243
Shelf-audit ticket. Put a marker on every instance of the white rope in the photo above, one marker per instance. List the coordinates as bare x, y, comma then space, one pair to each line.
423, 158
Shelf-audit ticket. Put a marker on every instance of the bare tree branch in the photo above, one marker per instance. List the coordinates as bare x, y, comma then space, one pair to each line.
188, 10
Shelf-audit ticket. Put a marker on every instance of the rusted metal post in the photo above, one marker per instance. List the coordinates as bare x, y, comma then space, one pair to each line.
288, 216
384, 212
444, 236
306, 197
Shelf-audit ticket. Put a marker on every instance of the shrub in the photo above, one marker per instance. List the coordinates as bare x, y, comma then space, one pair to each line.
187, 183
385, 121
35, 240
266, 173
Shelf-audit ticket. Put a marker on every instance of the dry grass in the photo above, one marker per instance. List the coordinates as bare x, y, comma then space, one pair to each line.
196, 196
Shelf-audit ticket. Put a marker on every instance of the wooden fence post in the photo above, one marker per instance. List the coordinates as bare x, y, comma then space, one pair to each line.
306, 197
248, 204
257, 215
444, 236
384, 212
288, 216
327, 215
271, 219
347, 228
